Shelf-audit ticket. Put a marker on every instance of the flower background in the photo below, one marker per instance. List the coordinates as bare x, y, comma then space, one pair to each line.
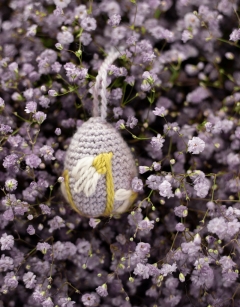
174, 95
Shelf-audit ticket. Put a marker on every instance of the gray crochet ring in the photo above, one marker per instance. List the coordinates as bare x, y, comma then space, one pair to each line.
99, 165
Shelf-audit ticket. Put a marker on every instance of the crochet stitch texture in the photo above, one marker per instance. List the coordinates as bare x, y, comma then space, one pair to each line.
99, 168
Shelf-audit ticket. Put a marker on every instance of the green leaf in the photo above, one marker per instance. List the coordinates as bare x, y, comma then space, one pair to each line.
157, 13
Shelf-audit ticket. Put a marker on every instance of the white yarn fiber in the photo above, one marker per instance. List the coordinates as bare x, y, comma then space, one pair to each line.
100, 87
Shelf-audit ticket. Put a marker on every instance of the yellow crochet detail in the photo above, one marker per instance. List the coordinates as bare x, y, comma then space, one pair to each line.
133, 197
69, 195
103, 165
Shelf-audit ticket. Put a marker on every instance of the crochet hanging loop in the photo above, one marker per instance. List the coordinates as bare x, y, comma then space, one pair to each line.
100, 87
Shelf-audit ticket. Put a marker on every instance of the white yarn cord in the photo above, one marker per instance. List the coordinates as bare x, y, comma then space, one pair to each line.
100, 87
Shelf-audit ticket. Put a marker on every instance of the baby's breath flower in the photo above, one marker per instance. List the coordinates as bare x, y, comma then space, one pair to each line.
58, 131
2, 104
11, 185
137, 184
160, 111
31, 107
235, 35
43, 247
6, 241
29, 280
196, 145
102, 290
52, 93
89, 23
39, 117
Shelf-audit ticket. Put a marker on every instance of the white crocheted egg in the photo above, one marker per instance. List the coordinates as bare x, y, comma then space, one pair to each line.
98, 170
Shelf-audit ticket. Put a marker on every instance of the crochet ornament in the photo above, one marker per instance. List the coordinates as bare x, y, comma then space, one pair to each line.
99, 166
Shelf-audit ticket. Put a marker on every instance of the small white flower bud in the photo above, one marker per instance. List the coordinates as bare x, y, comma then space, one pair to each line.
181, 277
229, 55
40, 227
197, 239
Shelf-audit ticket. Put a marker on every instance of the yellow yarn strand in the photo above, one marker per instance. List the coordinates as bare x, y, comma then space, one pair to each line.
132, 198
69, 195
103, 165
